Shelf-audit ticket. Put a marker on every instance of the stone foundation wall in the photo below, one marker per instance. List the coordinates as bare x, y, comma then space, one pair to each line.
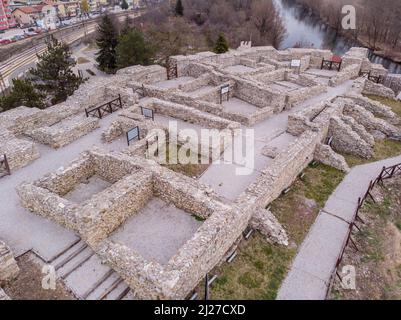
65, 131
393, 81
3, 295
346, 140
110, 208
303, 94
8, 266
326, 155
346, 73
378, 90
19, 152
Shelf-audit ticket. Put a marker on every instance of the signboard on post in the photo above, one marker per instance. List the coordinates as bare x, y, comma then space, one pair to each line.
224, 90
133, 134
148, 113
296, 64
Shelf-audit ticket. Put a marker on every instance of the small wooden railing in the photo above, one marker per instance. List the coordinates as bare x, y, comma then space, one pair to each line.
104, 109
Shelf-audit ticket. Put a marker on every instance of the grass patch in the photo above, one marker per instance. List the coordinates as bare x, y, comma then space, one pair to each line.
260, 267
383, 149
296, 214
82, 60
256, 273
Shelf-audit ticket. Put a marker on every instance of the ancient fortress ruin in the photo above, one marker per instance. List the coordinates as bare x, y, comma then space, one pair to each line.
148, 231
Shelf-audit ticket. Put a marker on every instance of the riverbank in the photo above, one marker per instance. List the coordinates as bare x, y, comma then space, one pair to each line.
382, 53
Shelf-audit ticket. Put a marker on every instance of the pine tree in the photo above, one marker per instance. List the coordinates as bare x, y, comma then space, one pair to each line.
179, 8
107, 42
126, 26
124, 5
221, 45
132, 49
23, 94
53, 74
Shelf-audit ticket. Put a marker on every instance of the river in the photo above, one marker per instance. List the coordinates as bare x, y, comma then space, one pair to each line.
304, 29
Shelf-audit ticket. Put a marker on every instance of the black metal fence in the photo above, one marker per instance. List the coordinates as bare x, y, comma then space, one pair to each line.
104, 109
368, 75
4, 166
386, 173
330, 65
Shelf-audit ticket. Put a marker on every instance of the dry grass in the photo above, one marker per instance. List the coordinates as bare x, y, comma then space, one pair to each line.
378, 261
82, 60
383, 149
28, 285
260, 267
194, 169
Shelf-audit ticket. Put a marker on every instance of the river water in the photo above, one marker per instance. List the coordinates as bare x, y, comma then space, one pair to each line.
305, 30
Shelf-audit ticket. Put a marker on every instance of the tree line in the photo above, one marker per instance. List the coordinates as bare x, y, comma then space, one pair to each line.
378, 22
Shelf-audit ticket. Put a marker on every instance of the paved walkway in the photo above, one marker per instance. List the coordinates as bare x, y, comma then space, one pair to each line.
222, 176
311, 270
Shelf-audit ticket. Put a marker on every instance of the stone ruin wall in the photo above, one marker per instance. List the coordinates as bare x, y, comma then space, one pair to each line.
9, 269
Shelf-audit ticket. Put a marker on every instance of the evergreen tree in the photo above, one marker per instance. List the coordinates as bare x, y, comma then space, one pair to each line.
132, 49
23, 93
107, 42
53, 74
124, 5
179, 8
221, 45
126, 26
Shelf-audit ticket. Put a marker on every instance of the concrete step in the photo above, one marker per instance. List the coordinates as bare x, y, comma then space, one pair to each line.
85, 275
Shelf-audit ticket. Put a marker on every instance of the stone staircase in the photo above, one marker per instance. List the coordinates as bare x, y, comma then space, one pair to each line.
84, 274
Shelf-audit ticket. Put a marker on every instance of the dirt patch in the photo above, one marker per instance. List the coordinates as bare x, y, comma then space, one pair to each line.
28, 285
378, 259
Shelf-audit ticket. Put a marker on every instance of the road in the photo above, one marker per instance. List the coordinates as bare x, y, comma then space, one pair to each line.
20, 63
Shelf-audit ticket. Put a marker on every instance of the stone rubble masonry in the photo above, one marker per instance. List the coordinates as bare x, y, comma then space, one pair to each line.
65, 131
356, 55
134, 182
8, 266
393, 81
326, 155
347, 73
378, 90
19, 152
128, 119
3, 295
346, 140
359, 129
370, 122
377, 108
267, 224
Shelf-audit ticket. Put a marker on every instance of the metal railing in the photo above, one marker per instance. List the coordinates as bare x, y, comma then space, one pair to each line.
386, 173
4, 166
